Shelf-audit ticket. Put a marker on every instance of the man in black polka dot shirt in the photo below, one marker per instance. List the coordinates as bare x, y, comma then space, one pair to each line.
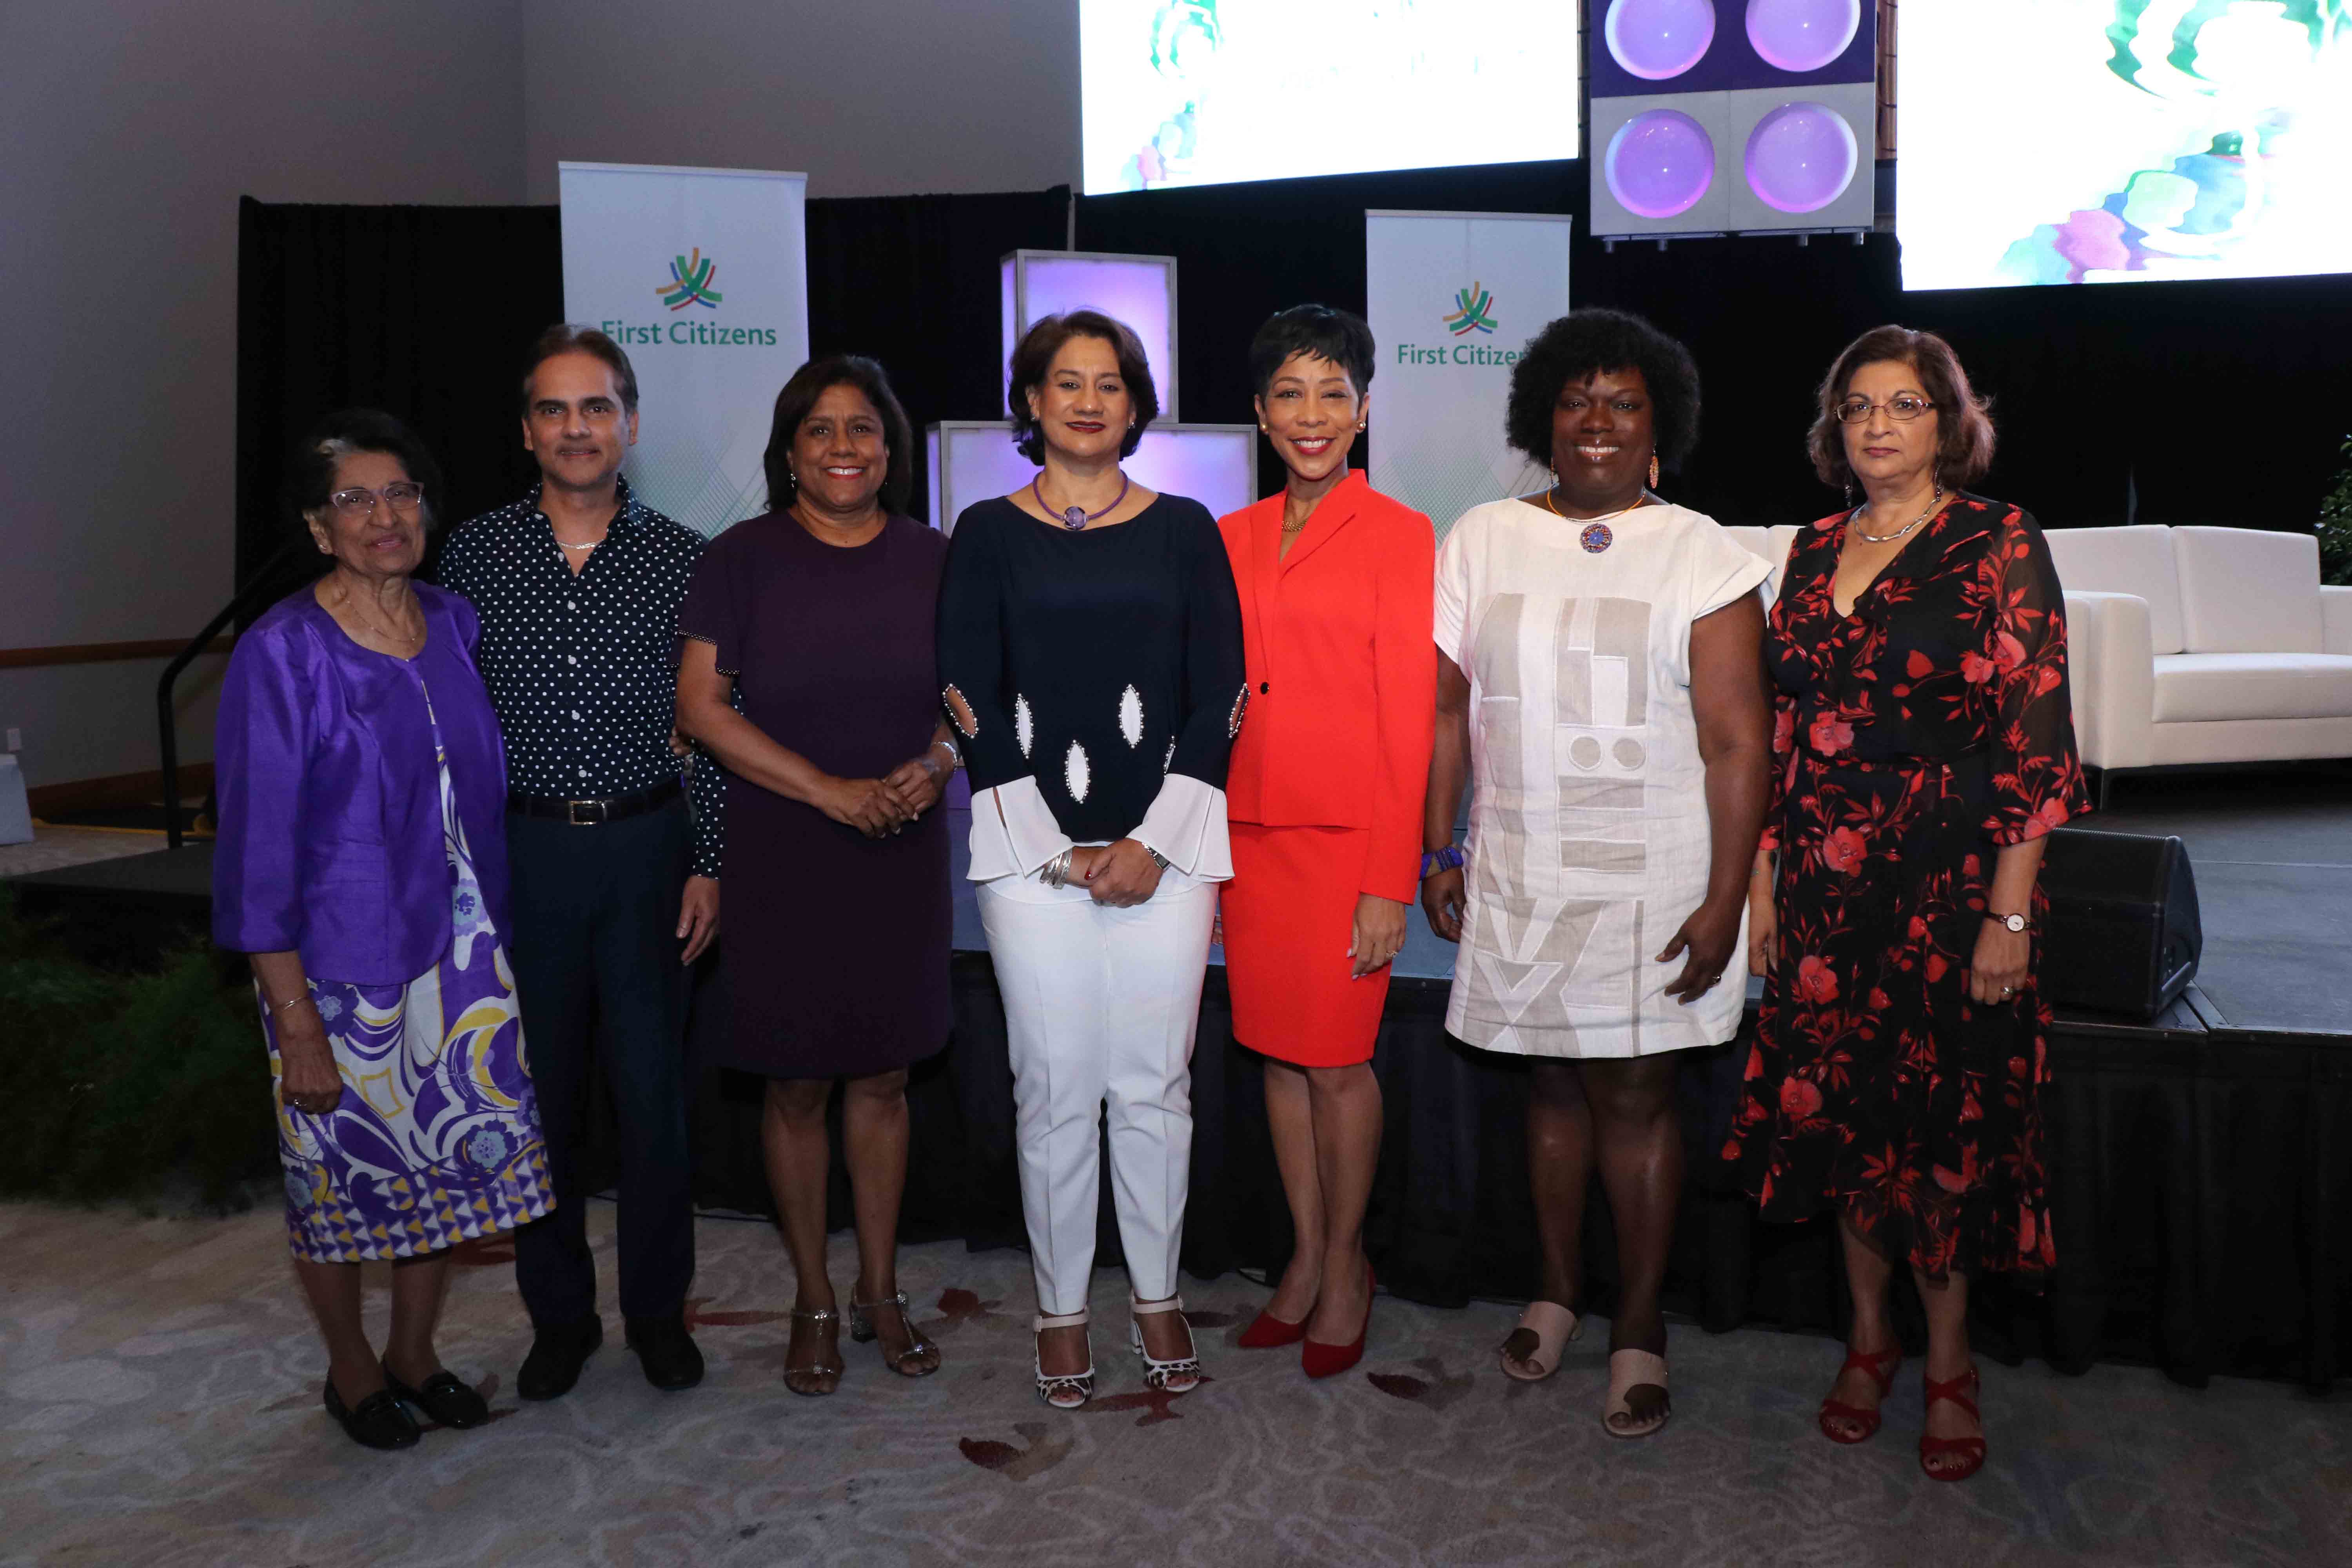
615, 883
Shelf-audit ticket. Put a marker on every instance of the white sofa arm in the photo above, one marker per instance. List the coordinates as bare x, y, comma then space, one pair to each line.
2335, 619
2111, 668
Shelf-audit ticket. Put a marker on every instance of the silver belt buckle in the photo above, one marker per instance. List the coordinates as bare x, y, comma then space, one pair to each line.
572, 808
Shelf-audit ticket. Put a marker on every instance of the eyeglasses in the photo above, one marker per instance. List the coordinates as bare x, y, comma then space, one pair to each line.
1901, 405
401, 496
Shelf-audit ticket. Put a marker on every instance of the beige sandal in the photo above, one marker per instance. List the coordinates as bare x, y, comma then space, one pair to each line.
1554, 1326
1629, 1370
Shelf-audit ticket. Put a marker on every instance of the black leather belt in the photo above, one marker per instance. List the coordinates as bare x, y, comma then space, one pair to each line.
588, 813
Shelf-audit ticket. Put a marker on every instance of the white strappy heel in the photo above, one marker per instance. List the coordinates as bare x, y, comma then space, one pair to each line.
1069, 1390
1179, 1376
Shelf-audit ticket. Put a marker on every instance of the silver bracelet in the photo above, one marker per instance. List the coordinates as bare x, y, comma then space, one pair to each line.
1057, 871
955, 753
1156, 858
289, 1004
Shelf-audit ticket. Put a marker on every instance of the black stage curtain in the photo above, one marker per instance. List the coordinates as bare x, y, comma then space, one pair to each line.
2100, 392
426, 311
2203, 1197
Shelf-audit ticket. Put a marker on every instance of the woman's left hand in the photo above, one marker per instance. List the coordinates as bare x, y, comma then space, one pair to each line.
1709, 937
1997, 973
1123, 875
1378, 934
917, 784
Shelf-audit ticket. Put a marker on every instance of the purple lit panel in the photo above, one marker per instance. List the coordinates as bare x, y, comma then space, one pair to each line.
1139, 290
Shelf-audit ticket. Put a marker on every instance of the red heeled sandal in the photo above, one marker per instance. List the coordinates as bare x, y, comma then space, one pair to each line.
1960, 1391
1880, 1368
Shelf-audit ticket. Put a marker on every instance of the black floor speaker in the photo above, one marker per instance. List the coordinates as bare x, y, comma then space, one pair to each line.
2122, 934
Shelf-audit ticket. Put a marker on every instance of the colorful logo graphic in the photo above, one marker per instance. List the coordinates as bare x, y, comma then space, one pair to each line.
689, 283
1475, 312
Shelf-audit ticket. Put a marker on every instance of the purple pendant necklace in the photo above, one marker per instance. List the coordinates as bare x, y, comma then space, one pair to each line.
1077, 517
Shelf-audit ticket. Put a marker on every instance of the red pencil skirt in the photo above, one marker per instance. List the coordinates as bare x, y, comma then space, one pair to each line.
1289, 913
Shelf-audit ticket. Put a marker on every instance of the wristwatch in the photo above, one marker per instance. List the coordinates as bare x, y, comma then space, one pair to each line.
1436, 860
2015, 923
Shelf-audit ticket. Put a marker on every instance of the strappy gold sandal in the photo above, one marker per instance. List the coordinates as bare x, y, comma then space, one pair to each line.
907, 1362
821, 1317
1069, 1390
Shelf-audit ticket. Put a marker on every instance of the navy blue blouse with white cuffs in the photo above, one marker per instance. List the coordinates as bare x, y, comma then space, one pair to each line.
1096, 682
583, 669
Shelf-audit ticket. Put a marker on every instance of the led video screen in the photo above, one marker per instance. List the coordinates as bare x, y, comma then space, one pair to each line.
1196, 92
2117, 141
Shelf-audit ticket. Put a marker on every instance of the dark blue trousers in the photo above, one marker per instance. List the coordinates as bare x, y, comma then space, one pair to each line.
595, 953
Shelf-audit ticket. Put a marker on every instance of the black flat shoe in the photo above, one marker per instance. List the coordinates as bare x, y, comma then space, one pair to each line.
443, 1396
378, 1423
556, 1357
666, 1351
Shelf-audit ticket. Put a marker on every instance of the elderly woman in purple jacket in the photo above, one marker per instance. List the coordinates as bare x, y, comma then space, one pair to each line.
362, 866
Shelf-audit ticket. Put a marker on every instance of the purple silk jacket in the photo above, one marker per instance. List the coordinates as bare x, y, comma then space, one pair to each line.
330, 838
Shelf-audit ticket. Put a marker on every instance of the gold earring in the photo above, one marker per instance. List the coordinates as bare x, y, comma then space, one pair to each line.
1653, 470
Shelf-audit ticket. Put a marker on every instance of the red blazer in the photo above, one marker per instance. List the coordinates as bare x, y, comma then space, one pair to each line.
1342, 674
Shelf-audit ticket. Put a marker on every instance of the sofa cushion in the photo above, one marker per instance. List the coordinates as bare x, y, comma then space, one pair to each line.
2191, 687
2246, 591
2136, 560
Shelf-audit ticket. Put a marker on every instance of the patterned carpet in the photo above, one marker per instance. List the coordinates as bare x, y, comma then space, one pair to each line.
159, 1406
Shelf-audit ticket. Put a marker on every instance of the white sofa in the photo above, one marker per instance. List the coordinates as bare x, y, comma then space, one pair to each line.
2203, 645
1771, 543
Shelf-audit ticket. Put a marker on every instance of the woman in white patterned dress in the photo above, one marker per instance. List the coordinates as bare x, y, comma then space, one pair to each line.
1601, 691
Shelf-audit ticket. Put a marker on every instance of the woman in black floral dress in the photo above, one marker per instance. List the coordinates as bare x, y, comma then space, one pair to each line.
1924, 748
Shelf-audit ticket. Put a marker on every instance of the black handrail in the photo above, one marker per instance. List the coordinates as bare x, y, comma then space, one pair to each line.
265, 584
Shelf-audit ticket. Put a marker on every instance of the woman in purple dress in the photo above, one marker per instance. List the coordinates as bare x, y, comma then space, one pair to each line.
361, 868
817, 619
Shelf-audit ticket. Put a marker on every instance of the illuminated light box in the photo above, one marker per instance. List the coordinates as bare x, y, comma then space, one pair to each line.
2126, 142
1733, 117
1138, 290
1195, 92
974, 459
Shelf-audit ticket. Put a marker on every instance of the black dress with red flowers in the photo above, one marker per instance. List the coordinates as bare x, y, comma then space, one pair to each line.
1914, 739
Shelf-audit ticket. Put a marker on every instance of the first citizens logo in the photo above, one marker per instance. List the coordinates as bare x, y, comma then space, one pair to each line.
688, 283
1472, 311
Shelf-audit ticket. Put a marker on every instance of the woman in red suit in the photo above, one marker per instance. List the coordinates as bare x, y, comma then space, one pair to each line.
1324, 799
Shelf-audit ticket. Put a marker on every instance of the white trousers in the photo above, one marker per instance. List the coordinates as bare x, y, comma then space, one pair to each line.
1100, 1007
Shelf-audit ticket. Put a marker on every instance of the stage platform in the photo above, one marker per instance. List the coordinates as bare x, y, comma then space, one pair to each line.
2200, 1163
2273, 859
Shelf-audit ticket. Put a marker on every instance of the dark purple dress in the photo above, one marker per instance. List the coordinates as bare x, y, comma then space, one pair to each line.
834, 952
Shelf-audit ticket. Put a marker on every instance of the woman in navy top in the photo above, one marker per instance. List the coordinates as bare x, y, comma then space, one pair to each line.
1090, 652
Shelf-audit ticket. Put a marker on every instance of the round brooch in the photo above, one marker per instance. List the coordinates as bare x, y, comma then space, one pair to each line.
1596, 538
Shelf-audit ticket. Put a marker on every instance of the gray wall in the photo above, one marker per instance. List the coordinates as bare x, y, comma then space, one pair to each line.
128, 129
868, 98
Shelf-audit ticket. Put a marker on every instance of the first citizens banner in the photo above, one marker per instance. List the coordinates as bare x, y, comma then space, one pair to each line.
1453, 297
701, 274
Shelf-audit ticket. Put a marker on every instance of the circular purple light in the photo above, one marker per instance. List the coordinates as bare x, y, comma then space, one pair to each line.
1802, 157
1659, 164
1801, 34
1655, 39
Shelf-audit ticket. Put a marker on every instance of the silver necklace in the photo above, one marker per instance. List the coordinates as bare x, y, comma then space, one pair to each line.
1933, 503
590, 545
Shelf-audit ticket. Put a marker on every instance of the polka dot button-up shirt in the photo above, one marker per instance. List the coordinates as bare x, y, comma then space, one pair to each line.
583, 669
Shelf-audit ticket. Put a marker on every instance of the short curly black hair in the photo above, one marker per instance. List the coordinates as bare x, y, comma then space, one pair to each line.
1035, 356
1585, 341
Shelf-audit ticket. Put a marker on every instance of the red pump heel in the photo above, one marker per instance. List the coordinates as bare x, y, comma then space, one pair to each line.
1320, 1360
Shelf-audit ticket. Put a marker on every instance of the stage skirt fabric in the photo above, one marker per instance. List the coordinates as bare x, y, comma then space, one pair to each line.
1289, 913
436, 1139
